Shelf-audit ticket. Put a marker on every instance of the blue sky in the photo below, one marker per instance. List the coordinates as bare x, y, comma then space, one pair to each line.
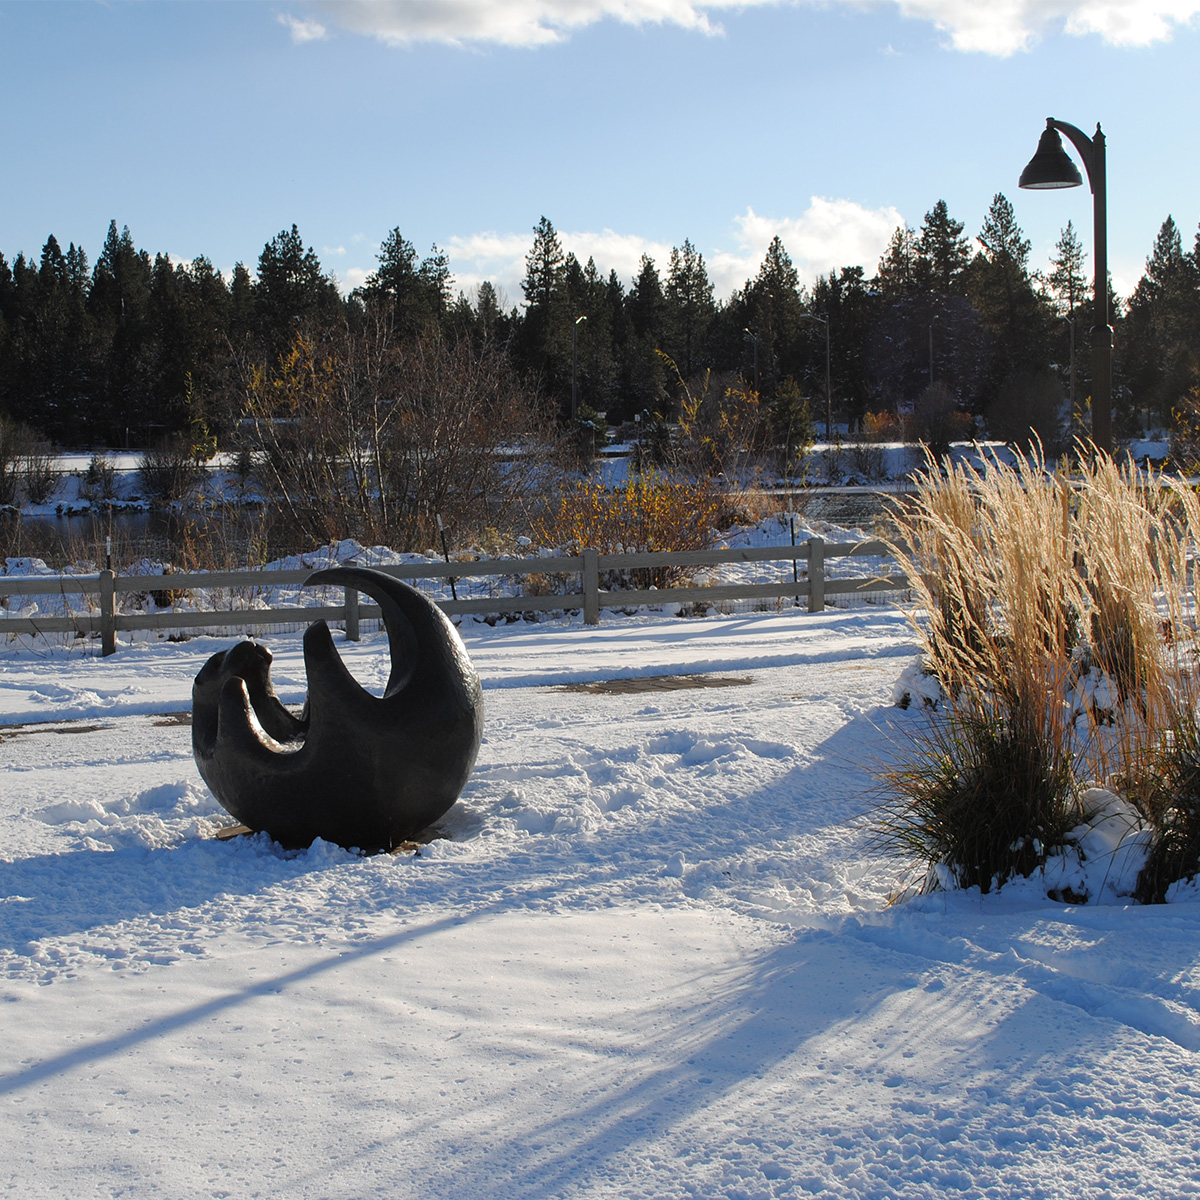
208, 126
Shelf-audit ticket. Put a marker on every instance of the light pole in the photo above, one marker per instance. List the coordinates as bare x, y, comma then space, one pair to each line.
754, 338
575, 366
1071, 325
1051, 167
828, 389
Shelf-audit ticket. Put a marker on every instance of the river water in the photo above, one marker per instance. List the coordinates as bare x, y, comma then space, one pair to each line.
166, 536
86, 537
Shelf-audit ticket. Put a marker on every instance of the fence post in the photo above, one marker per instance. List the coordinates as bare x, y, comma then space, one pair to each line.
816, 575
352, 614
591, 586
108, 614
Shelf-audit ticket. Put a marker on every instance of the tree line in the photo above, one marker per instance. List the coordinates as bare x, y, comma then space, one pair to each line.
951, 334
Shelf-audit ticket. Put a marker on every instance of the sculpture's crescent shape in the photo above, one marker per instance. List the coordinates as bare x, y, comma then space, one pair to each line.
360, 770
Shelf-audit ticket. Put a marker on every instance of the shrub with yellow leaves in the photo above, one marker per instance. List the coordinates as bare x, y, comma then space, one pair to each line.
648, 513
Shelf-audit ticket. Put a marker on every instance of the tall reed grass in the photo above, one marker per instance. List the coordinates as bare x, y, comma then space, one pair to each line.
1058, 613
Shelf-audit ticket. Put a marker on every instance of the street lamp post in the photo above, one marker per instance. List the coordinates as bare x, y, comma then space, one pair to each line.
1051, 167
828, 388
575, 366
754, 338
1071, 325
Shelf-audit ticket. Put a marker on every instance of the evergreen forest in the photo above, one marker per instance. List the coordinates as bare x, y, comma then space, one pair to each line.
951, 336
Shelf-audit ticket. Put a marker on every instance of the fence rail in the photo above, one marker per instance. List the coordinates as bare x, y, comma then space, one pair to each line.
100, 613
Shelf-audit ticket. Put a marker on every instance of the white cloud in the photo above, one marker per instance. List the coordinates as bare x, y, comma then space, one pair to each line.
353, 277
500, 258
480, 257
302, 30
829, 234
513, 22
1132, 22
620, 252
999, 27
1004, 27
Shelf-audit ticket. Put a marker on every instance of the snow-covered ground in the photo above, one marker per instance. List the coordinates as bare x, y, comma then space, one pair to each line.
654, 955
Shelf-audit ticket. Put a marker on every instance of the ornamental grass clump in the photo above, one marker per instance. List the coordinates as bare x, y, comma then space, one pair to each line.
1127, 555
1156, 760
1164, 785
981, 795
987, 786
1060, 618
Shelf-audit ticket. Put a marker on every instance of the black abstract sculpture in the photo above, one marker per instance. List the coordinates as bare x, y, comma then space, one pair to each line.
361, 770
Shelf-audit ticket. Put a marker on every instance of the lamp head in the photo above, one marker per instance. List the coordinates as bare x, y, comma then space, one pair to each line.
1051, 166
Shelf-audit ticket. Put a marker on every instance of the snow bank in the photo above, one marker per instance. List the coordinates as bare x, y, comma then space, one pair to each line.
654, 955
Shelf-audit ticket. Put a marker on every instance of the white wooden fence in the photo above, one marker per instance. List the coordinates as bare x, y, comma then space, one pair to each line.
88, 604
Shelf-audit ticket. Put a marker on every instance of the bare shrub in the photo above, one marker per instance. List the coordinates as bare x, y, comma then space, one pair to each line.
26, 464
1029, 410
866, 446
38, 474
167, 469
937, 419
722, 427
365, 436
100, 479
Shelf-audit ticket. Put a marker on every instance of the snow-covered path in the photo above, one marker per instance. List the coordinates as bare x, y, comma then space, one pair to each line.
654, 957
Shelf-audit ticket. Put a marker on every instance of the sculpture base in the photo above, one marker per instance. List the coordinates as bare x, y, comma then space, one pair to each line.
410, 847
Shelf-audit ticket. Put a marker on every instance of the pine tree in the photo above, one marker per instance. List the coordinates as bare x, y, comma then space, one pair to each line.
1066, 278
773, 306
417, 294
645, 376
54, 264
544, 343
206, 395
490, 319
690, 310
597, 371
77, 269
543, 267
51, 343
616, 317
292, 292
241, 304
1002, 291
1163, 323
119, 304
944, 252
646, 303
1165, 265
120, 290
900, 268
851, 309
1004, 242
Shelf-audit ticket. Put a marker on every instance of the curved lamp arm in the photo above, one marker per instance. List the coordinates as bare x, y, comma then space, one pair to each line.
1086, 146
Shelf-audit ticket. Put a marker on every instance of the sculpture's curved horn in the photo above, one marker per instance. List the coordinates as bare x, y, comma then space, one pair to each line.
369, 771
252, 663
